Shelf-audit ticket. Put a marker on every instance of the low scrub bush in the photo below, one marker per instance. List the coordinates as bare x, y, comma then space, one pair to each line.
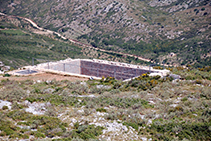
38, 134
6, 75
18, 115
116, 101
16, 106
145, 82
7, 128
13, 93
182, 130
53, 99
108, 80
5, 107
84, 131
132, 124
111, 116
205, 92
101, 110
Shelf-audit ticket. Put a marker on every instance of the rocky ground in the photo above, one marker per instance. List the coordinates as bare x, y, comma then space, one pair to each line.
146, 108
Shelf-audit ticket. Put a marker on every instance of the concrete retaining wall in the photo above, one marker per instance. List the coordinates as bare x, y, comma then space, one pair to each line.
119, 72
69, 66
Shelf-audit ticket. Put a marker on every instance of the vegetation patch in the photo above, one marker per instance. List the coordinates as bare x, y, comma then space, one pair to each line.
167, 109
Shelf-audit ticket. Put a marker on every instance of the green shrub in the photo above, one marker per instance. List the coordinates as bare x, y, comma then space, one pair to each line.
117, 85
76, 125
54, 132
7, 127
206, 93
132, 124
156, 77
116, 101
16, 106
101, 110
5, 107
115, 91
9, 131
12, 92
6, 75
86, 132
16, 135
38, 134
18, 115
184, 99
31, 99
178, 108
2, 133
25, 136
198, 81
51, 111
181, 129
112, 115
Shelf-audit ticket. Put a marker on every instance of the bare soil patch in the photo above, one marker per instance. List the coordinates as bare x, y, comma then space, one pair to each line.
44, 77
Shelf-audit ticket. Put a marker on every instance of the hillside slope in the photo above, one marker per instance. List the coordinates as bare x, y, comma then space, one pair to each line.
151, 29
23, 40
20, 42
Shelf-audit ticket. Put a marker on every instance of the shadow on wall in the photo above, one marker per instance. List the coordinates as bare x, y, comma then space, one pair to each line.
118, 72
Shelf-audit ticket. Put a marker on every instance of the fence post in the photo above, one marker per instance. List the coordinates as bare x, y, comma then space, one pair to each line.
97, 72
121, 75
136, 73
64, 67
32, 61
48, 65
149, 68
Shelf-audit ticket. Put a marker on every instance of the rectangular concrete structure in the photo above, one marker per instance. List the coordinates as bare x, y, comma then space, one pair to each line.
96, 68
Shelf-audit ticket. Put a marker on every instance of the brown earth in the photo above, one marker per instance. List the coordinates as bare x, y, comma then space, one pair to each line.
44, 77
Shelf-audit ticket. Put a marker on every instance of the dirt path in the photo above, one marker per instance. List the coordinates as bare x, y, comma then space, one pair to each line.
44, 77
44, 31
